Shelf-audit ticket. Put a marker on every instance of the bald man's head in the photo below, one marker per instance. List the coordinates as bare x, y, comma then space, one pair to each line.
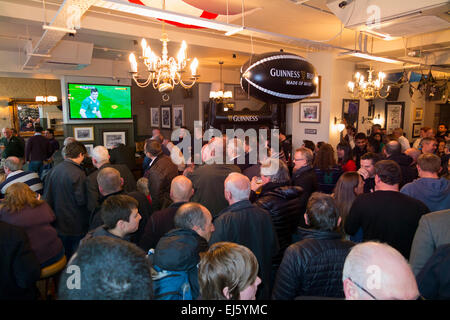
181, 189
375, 270
237, 188
413, 153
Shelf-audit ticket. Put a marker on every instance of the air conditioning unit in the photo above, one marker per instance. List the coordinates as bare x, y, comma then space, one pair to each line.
388, 18
69, 55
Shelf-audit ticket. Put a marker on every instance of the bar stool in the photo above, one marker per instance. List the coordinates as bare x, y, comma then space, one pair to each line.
49, 275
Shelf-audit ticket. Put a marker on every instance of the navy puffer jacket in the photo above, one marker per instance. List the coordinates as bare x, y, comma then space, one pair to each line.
312, 266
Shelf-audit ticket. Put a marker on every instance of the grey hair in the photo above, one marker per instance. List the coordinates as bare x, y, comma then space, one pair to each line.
307, 153
276, 170
190, 215
13, 163
100, 154
69, 140
238, 194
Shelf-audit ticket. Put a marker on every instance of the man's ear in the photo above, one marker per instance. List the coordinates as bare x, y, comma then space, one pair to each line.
121, 182
339, 221
306, 219
350, 290
225, 292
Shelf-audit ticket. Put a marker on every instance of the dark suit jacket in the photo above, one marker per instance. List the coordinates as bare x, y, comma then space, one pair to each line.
19, 267
123, 155
38, 148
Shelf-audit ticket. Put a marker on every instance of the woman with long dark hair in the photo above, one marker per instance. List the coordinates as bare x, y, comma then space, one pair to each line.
326, 168
345, 157
23, 209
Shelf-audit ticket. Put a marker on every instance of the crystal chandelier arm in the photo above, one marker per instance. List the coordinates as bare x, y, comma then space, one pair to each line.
142, 84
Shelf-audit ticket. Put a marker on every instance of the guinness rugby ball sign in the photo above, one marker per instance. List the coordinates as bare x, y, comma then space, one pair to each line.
278, 77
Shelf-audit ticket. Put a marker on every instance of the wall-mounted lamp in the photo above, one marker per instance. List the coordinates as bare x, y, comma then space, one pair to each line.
339, 123
377, 120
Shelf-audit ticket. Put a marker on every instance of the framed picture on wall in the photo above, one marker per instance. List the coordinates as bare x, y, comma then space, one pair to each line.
309, 112
154, 117
89, 148
165, 117
178, 116
394, 115
418, 114
112, 138
83, 133
416, 130
371, 110
316, 94
350, 112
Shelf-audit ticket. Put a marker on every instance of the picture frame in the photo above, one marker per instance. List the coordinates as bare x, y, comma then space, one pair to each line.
89, 148
394, 116
350, 112
111, 138
83, 133
178, 116
165, 117
371, 110
416, 130
418, 114
240, 94
316, 94
155, 117
310, 112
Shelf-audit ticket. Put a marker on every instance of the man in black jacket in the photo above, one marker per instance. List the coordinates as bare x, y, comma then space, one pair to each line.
386, 215
303, 173
393, 151
313, 266
247, 224
179, 249
160, 173
285, 204
100, 160
19, 267
65, 192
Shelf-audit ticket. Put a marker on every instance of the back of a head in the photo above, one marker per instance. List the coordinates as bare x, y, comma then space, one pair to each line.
190, 215
117, 207
142, 186
393, 147
310, 145
38, 129
153, 147
429, 162
325, 158
109, 180
69, 140
108, 269
226, 265
276, 169
181, 188
322, 212
100, 154
389, 172
73, 149
13, 163
238, 185
413, 153
380, 270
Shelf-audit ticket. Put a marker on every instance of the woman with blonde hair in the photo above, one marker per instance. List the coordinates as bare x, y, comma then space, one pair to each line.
349, 186
23, 208
228, 271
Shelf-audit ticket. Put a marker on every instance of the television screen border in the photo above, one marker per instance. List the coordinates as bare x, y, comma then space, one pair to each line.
99, 84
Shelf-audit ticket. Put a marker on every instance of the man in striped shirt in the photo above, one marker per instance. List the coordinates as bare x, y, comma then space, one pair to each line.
14, 173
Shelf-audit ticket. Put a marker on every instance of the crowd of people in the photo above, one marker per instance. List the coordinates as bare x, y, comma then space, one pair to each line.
368, 219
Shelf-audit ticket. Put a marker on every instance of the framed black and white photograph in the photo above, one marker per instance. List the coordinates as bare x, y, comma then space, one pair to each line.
394, 115
89, 148
178, 116
309, 112
316, 94
350, 112
83, 133
165, 117
371, 110
112, 138
154, 117
416, 130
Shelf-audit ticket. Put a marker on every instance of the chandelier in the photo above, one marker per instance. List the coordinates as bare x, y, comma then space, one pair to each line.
164, 72
220, 95
369, 89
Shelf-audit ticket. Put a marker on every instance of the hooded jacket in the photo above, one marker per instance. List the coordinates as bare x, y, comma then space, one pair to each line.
179, 250
435, 193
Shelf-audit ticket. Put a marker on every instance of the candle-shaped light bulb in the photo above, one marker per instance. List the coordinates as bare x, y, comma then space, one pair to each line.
351, 86
144, 46
194, 66
357, 75
133, 62
148, 53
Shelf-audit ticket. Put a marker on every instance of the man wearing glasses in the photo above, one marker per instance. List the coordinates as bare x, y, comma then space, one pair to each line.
376, 271
303, 173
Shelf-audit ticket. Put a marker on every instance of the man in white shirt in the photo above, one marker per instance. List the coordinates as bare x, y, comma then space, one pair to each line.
398, 134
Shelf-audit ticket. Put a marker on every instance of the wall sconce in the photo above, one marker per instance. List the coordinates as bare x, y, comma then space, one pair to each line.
339, 123
377, 120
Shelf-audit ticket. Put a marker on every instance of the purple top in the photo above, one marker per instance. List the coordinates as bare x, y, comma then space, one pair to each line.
36, 223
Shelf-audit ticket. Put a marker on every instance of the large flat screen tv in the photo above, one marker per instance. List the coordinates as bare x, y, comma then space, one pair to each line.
95, 101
